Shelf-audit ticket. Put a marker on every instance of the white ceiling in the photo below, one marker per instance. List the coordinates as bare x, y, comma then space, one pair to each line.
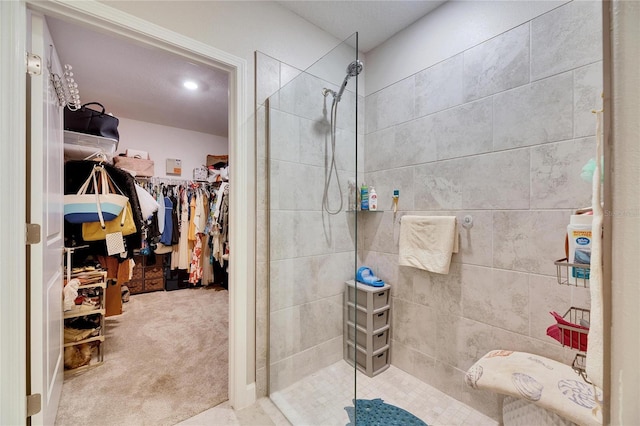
142, 83
375, 21
145, 84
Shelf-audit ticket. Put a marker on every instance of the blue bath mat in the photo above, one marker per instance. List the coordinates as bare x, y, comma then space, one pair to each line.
374, 412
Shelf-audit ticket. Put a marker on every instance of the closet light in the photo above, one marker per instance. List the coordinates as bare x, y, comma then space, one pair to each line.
191, 85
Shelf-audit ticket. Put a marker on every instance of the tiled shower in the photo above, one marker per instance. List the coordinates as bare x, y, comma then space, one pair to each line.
499, 132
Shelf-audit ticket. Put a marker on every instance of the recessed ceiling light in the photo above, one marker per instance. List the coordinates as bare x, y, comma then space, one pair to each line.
191, 85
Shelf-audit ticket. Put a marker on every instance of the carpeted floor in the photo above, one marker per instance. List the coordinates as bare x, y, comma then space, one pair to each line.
166, 360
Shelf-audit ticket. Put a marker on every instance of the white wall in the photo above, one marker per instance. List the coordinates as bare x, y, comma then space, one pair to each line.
162, 142
452, 28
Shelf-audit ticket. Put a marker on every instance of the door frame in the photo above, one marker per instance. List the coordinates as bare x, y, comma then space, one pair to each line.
13, 296
242, 389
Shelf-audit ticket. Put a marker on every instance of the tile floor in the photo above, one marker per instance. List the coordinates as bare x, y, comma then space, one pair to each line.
320, 399
262, 413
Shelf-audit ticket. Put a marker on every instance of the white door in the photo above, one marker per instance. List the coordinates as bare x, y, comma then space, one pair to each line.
45, 207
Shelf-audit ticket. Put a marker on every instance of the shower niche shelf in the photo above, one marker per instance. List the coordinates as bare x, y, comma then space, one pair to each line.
366, 327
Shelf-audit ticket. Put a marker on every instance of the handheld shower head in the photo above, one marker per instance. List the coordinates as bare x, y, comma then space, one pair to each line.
353, 69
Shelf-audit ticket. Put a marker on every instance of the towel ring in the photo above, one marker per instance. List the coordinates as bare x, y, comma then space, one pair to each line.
467, 222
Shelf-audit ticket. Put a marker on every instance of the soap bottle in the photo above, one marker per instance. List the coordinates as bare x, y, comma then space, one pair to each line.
579, 239
364, 197
373, 199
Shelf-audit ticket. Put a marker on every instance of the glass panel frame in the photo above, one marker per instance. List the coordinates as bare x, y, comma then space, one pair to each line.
313, 131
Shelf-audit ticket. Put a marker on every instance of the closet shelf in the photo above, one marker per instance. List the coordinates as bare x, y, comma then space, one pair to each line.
79, 312
89, 340
84, 346
96, 143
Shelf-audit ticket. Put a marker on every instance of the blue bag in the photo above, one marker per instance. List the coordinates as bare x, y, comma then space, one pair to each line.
103, 204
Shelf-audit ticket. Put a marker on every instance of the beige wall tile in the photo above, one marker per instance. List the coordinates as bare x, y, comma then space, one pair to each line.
496, 297
498, 64
566, 38
439, 87
534, 114
529, 241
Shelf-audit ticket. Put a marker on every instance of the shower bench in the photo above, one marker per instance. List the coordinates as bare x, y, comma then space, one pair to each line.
538, 390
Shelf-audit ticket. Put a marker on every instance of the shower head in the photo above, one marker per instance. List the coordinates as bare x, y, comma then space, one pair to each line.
353, 69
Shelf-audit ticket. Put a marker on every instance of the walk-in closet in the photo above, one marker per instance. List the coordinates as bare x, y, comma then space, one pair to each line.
146, 315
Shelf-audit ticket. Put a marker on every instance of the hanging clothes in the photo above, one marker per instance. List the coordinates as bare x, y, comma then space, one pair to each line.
195, 272
192, 218
167, 232
161, 211
210, 214
183, 244
221, 217
200, 220
207, 267
175, 232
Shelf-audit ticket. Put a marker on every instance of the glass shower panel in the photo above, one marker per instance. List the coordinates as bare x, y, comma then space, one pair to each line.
312, 164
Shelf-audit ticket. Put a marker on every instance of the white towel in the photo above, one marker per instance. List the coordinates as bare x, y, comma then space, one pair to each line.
595, 350
427, 242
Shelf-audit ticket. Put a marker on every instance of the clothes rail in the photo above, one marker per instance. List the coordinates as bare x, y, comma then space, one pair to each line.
174, 181
167, 181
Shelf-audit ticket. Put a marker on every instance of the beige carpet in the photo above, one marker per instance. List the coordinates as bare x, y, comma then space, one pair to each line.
166, 360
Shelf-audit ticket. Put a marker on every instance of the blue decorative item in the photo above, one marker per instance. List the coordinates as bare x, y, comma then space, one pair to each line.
375, 412
365, 276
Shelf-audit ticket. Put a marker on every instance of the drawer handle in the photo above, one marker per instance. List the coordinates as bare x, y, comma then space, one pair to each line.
381, 314
381, 294
380, 356
381, 334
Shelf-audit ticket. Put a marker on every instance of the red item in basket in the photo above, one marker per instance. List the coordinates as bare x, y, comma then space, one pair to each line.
573, 338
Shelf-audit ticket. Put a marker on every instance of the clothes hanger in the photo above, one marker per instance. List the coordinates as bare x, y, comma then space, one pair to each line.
98, 156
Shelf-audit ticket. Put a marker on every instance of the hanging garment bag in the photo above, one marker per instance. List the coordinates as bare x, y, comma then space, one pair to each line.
97, 206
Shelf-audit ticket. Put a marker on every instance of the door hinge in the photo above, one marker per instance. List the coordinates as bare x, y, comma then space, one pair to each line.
34, 64
32, 233
34, 404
